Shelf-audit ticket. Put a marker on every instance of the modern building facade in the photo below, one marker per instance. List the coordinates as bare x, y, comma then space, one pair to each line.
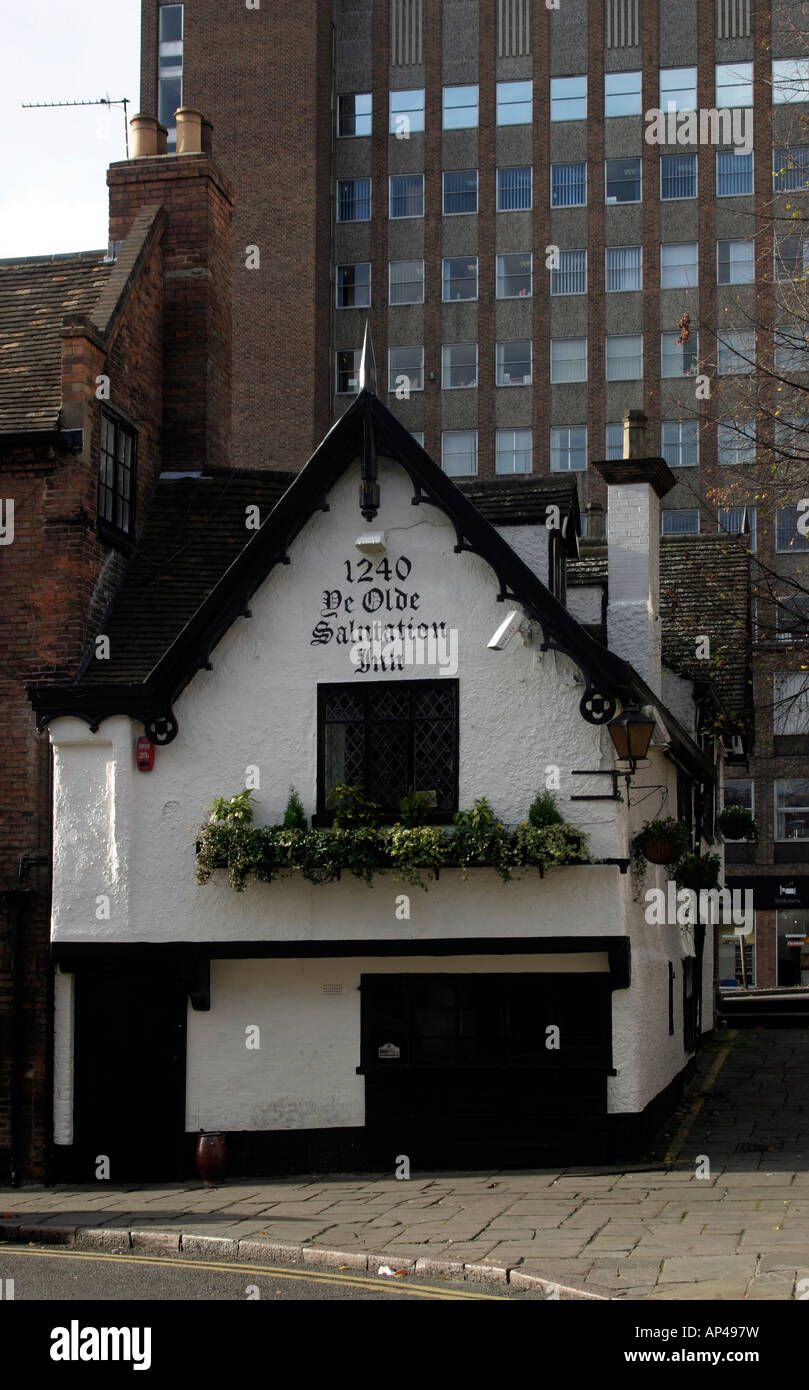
515, 195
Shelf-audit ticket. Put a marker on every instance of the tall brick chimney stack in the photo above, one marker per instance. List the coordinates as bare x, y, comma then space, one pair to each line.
197, 287
635, 486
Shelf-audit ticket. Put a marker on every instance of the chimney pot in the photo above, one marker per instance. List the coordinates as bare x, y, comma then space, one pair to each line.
189, 130
207, 138
635, 434
144, 136
162, 140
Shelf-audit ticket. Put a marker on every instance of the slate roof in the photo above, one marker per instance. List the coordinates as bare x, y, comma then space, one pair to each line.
516, 501
704, 590
35, 295
194, 530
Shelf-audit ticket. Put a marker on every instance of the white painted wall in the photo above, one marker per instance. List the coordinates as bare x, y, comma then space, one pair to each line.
303, 1075
634, 628
586, 602
128, 837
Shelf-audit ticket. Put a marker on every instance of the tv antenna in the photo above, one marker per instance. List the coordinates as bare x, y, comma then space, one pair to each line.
101, 101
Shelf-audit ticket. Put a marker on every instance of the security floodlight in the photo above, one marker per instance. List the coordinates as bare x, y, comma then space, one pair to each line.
505, 632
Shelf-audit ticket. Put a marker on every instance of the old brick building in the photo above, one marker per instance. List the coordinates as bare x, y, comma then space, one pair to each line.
115, 368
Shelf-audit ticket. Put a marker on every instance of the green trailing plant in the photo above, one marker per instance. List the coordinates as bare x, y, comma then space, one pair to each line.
408, 852
650, 837
294, 815
415, 808
236, 810
697, 871
544, 810
352, 807
736, 823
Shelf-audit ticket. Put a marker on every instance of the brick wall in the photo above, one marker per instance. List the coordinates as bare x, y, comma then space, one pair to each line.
266, 86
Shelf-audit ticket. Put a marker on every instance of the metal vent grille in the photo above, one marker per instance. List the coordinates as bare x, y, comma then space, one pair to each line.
513, 28
332, 989
622, 23
406, 32
732, 19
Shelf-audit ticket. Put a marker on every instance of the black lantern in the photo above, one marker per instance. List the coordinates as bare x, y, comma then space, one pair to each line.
631, 733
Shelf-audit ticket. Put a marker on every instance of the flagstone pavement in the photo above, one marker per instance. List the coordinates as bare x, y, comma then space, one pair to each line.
718, 1209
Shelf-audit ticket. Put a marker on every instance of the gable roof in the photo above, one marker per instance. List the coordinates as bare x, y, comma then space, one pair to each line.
366, 430
704, 591
36, 294
39, 297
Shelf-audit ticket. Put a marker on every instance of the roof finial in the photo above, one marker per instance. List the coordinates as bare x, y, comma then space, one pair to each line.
367, 372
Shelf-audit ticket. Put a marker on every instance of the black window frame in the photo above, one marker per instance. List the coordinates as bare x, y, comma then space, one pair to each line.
108, 526
364, 690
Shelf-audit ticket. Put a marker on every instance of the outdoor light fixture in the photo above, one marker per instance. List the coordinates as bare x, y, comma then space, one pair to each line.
631, 733
372, 542
511, 624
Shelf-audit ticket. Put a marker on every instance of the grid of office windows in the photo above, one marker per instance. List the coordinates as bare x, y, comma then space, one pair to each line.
460, 192
513, 363
569, 98
568, 360
569, 185
736, 442
514, 103
407, 195
788, 537
680, 443
459, 453
790, 168
624, 357
680, 521
678, 176
513, 451
354, 286
354, 114
459, 366
569, 449
622, 180
407, 112
569, 274
514, 275
739, 521
460, 277
405, 370
514, 188
353, 200
734, 173
406, 282
460, 107
624, 268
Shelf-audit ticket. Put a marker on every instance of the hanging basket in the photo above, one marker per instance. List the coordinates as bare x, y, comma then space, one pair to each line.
660, 851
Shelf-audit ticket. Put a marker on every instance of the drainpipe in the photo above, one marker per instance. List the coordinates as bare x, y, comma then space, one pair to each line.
15, 898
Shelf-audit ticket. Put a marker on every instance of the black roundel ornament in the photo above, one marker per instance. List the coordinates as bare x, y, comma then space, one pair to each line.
162, 729
596, 707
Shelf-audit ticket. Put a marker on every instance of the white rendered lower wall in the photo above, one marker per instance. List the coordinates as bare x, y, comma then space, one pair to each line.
303, 1074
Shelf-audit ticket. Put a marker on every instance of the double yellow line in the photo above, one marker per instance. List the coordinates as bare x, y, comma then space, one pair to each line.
250, 1271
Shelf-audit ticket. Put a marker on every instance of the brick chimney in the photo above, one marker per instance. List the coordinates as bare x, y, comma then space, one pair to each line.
197, 282
635, 485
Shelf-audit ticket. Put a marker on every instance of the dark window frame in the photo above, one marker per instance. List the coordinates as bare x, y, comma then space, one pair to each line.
108, 525
364, 690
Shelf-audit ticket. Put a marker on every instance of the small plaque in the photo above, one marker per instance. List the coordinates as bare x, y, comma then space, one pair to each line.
389, 1050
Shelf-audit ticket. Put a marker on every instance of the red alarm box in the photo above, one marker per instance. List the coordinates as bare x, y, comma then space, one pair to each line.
144, 754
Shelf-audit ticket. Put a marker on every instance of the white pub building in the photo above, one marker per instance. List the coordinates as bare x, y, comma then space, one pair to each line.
335, 1015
